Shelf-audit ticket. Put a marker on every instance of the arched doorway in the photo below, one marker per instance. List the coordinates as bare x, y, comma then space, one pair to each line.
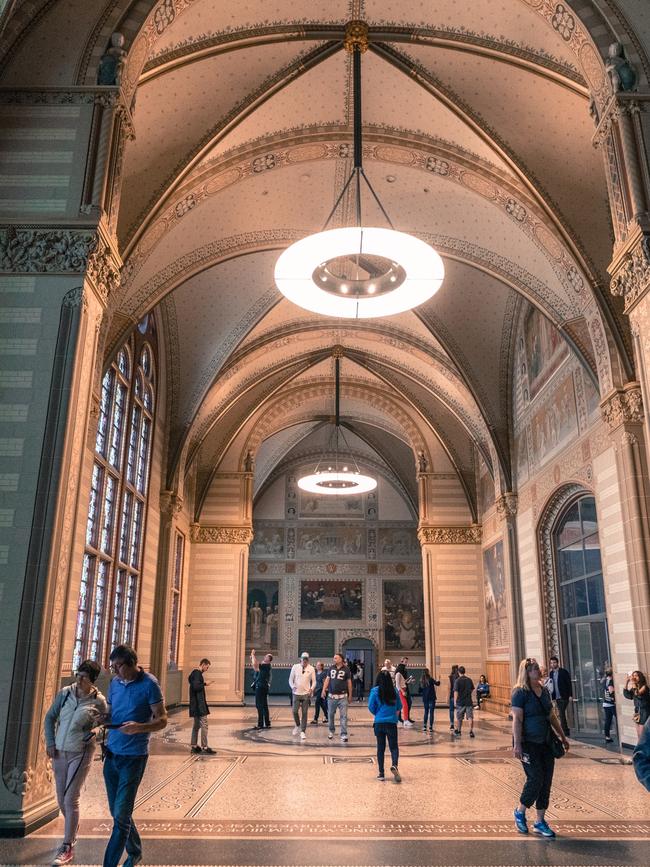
362, 650
582, 612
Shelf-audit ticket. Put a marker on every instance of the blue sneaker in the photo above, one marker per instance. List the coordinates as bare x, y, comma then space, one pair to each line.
520, 822
543, 829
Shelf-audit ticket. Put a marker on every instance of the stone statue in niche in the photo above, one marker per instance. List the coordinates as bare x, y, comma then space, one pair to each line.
112, 64
422, 462
249, 463
622, 74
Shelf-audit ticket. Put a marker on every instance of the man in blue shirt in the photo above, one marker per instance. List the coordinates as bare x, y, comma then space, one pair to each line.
136, 706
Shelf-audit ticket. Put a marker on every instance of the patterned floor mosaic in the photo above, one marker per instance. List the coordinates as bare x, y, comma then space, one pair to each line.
271, 786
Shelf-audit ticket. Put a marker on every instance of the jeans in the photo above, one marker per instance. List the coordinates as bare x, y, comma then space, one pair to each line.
562, 704
70, 772
262, 705
539, 775
301, 703
320, 704
451, 712
122, 776
385, 731
358, 690
429, 708
200, 724
610, 714
340, 703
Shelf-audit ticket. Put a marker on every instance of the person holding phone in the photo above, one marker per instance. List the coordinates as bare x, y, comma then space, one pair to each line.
136, 709
637, 691
76, 710
199, 710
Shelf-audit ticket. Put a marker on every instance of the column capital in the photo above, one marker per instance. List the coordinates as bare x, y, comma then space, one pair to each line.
507, 505
630, 268
451, 535
170, 503
221, 535
623, 406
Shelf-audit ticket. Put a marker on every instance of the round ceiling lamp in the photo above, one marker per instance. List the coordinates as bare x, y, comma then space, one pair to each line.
359, 272
336, 477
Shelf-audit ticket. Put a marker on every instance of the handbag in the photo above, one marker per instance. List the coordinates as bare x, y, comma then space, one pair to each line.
552, 740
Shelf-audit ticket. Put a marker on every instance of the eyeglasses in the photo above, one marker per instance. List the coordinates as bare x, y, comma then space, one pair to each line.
81, 674
117, 664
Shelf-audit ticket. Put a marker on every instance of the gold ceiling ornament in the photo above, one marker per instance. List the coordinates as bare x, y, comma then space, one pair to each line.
356, 36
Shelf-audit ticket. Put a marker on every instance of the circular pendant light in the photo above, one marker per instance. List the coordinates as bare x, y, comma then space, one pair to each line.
337, 479
395, 272
359, 272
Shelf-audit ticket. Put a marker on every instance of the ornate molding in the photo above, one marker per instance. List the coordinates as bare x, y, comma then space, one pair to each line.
76, 298
630, 271
623, 407
450, 535
170, 503
221, 535
507, 505
61, 251
18, 781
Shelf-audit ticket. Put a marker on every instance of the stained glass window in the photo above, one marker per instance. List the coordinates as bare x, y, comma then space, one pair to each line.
115, 529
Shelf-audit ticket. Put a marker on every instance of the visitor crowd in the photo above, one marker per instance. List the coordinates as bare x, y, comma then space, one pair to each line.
134, 708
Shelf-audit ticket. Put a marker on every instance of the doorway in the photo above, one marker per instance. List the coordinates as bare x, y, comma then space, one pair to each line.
362, 650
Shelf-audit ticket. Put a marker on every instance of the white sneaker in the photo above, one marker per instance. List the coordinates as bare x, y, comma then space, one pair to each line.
408, 724
295, 731
303, 736
64, 855
330, 735
344, 738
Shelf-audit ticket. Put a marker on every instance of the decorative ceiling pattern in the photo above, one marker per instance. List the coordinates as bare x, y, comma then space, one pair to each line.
477, 138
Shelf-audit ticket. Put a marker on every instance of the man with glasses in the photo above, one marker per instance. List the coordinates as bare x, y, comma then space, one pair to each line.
135, 708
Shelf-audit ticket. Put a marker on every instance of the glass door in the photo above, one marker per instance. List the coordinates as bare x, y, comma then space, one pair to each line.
588, 653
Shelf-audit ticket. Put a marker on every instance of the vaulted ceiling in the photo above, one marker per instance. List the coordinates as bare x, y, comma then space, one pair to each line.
477, 137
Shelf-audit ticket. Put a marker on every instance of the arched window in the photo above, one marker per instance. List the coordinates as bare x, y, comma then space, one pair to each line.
583, 614
110, 577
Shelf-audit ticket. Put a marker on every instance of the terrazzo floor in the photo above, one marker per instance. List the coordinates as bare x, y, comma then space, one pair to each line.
266, 798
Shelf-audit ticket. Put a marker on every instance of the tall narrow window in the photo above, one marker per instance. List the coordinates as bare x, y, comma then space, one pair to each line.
177, 581
112, 564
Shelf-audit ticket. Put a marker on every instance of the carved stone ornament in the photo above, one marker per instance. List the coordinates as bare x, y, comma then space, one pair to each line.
45, 250
103, 269
221, 535
450, 535
507, 505
170, 503
356, 36
631, 273
18, 781
623, 407
75, 298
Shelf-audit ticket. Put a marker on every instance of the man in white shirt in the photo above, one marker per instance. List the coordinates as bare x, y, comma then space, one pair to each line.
302, 681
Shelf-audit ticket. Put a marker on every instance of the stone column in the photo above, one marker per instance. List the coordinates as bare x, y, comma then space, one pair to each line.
170, 506
217, 607
453, 597
55, 285
623, 413
506, 506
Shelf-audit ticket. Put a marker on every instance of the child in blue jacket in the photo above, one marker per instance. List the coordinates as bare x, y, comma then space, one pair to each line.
383, 704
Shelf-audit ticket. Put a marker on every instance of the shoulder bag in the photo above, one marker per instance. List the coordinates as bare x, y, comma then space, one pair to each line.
552, 740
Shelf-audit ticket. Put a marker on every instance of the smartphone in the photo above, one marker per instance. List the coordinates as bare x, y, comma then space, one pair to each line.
525, 758
113, 725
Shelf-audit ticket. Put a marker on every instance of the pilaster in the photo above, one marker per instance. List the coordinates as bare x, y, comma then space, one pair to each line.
507, 505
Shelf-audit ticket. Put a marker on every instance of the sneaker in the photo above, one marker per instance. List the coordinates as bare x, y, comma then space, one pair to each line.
196, 750
424, 728
344, 738
64, 855
396, 774
381, 778
472, 735
303, 736
430, 730
543, 829
609, 740
451, 728
408, 724
314, 722
330, 735
457, 733
520, 822
295, 731
209, 751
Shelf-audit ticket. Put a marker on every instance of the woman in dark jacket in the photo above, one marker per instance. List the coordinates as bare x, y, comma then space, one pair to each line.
199, 709
428, 686
637, 690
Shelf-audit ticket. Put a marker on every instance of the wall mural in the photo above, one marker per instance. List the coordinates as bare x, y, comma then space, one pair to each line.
555, 422
403, 615
496, 600
262, 615
485, 488
322, 505
397, 543
546, 349
521, 456
331, 541
331, 600
268, 542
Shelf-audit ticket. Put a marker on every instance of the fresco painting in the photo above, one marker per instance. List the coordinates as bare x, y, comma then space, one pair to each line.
331, 542
262, 615
496, 600
331, 600
546, 349
555, 422
403, 615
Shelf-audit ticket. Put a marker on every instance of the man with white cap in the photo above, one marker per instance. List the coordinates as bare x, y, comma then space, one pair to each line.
302, 681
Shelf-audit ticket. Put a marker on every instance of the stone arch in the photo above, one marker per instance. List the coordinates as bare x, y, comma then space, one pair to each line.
557, 502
